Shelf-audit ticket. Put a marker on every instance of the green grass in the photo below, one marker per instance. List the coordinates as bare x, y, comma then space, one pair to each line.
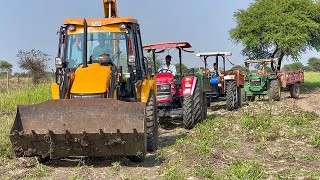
204, 172
171, 171
29, 95
311, 81
253, 134
38, 172
8, 105
244, 169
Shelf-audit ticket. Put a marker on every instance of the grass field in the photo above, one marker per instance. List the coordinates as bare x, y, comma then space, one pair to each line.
311, 81
260, 141
8, 106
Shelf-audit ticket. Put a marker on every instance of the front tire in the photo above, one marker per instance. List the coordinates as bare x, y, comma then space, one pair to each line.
294, 91
232, 95
192, 111
152, 123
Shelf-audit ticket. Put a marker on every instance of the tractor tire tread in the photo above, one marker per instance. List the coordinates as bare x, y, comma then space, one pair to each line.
152, 124
190, 112
231, 93
274, 94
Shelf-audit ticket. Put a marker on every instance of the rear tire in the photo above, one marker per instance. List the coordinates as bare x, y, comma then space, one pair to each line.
192, 111
152, 123
232, 95
275, 90
295, 91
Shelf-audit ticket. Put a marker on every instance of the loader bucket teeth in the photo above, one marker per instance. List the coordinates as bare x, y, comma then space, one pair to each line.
79, 127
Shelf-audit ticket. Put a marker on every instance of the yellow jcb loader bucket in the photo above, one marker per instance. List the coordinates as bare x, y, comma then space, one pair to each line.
79, 127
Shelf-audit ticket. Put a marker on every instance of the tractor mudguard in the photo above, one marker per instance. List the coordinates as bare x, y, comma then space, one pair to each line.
188, 85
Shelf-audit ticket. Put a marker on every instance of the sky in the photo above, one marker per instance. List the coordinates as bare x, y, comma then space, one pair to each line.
205, 24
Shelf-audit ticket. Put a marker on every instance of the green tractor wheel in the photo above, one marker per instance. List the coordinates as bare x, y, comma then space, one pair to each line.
275, 90
241, 96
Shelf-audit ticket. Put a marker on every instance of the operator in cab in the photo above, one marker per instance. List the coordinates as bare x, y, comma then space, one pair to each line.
261, 70
214, 70
102, 48
168, 66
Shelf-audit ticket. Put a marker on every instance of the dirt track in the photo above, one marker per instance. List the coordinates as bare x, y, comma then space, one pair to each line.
121, 168
151, 167
310, 102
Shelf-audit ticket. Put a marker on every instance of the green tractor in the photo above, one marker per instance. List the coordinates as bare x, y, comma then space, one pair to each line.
271, 83
262, 82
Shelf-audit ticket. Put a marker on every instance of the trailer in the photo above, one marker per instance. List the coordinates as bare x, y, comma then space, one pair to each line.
291, 80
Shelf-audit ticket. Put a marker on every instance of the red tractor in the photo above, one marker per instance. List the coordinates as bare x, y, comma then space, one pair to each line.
179, 96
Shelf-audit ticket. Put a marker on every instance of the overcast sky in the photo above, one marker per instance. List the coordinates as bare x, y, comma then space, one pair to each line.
205, 24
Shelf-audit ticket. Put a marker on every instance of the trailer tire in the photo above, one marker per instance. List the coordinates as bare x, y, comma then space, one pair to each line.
192, 111
275, 90
152, 123
232, 95
294, 91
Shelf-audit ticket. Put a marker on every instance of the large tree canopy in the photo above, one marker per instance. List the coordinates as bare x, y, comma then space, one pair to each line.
278, 28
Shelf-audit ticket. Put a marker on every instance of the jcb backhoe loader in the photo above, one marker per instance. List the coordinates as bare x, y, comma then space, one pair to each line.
104, 102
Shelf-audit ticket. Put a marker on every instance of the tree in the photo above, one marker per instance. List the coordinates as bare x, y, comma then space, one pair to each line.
278, 28
293, 66
308, 68
183, 67
34, 61
5, 66
314, 63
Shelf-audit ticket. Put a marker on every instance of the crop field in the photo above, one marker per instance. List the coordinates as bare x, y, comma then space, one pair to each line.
262, 140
